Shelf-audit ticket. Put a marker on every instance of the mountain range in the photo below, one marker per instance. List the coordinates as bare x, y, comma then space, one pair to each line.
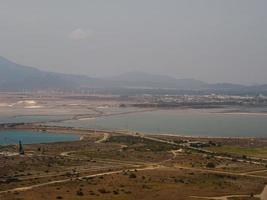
15, 77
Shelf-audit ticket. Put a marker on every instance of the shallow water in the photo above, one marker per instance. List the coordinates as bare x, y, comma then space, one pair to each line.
182, 122
32, 137
31, 118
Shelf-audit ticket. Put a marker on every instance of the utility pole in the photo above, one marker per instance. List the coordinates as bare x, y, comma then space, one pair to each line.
21, 150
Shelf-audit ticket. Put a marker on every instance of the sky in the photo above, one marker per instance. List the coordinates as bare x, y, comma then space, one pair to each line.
209, 40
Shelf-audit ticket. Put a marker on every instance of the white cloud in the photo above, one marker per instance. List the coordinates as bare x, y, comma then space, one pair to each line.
80, 34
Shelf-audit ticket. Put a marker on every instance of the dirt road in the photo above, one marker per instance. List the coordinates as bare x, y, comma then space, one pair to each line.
70, 179
262, 196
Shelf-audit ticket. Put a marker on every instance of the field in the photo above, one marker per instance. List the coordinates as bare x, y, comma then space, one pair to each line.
150, 184
260, 152
122, 166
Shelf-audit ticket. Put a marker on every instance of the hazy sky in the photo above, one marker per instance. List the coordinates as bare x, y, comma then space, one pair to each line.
210, 40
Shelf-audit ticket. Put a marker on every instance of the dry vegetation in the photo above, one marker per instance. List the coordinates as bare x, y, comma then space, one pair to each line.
138, 168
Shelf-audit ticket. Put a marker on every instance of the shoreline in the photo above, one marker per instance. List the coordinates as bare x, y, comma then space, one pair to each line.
85, 131
243, 113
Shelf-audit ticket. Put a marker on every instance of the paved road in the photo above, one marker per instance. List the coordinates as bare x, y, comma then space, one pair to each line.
257, 161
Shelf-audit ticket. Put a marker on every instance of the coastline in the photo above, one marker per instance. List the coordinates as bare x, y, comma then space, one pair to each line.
85, 131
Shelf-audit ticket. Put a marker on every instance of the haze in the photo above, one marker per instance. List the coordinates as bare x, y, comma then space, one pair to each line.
209, 40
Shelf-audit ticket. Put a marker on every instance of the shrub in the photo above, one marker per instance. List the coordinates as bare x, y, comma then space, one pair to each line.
210, 165
102, 190
79, 192
115, 192
132, 175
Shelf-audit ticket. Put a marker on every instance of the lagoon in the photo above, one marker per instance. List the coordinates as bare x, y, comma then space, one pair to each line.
8, 137
180, 122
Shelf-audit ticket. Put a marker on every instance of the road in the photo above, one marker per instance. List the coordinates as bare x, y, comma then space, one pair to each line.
139, 166
261, 196
104, 139
71, 179
253, 160
146, 166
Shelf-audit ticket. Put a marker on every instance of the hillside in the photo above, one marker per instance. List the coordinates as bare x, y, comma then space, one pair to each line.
15, 77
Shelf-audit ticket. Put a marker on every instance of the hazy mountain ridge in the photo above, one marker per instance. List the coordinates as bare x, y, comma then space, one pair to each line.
141, 79
16, 77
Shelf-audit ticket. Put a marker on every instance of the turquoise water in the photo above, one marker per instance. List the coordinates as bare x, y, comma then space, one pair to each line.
33, 137
196, 123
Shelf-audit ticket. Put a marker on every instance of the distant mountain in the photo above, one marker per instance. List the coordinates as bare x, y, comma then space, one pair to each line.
145, 80
225, 86
16, 77
228, 88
